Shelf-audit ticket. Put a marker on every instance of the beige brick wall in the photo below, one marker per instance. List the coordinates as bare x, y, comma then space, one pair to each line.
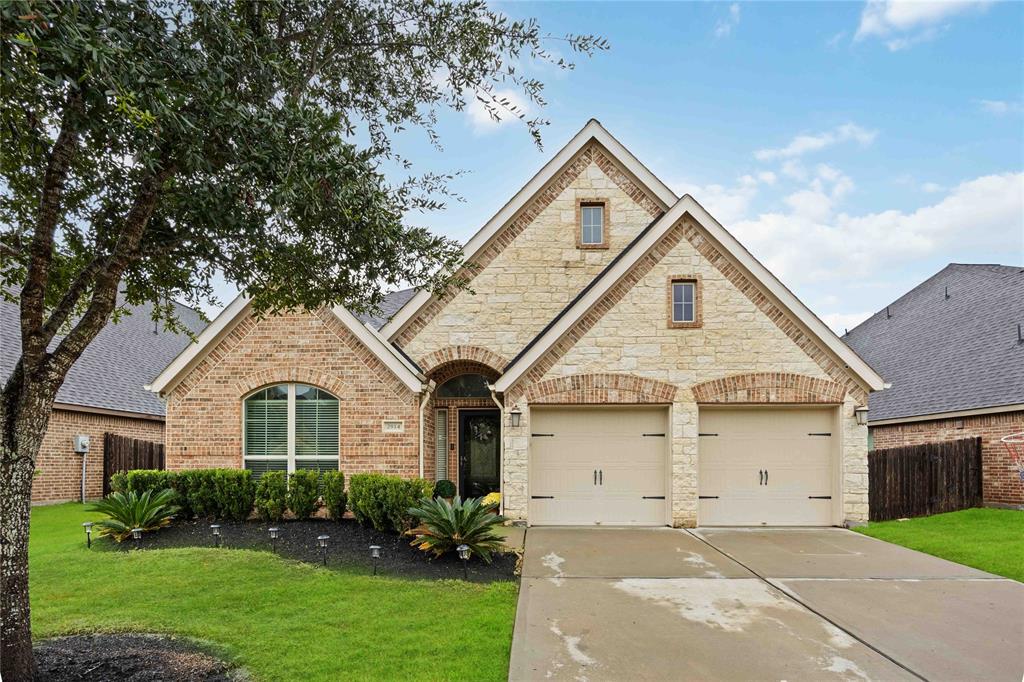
204, 417
59, 469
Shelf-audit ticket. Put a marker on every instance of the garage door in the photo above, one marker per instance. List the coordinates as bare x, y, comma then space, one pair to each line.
766, 466
598, 465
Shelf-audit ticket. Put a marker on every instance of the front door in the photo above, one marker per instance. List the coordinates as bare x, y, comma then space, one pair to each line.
479, 452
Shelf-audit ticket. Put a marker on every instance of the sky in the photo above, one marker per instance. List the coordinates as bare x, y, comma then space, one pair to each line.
855, 149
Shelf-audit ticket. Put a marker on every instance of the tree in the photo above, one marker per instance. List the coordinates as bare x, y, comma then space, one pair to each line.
149, 145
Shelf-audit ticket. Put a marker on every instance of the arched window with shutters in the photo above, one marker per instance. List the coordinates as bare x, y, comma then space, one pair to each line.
289, 427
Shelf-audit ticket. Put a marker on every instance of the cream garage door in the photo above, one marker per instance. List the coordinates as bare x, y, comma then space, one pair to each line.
598, 465
767, 466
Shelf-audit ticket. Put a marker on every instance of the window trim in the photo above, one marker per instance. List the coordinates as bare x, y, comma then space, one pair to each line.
605, 212
290, 456
698, 308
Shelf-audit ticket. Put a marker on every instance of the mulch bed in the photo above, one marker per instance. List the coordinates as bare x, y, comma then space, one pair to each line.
128, 658
348, 548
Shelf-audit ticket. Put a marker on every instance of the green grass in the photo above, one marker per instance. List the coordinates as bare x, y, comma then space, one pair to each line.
987, 539
280, 619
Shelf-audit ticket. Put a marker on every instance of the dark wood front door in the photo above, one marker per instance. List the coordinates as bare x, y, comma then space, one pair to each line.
479, 452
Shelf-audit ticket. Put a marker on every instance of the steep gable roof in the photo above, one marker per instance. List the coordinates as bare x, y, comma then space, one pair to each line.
593, 131
391, 304
948, 354
642, 245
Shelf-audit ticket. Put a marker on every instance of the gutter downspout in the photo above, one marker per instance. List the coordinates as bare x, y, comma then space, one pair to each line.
501, 445
429, 386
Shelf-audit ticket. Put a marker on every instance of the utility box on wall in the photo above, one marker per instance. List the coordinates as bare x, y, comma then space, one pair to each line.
81, 444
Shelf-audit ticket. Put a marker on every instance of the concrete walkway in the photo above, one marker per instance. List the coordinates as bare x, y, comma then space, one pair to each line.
759, 604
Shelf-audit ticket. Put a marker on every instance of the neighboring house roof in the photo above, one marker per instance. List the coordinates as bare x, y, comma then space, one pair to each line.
640, 246
388, 307
592, 131
952, 354
222, 325
115, 367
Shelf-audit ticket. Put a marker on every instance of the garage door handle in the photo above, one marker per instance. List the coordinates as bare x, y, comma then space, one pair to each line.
654, 435
654, 497
543, 435
819, 497
819, 434
595, 476
707, 497
766, 477
600, 476
542, 497
760, 477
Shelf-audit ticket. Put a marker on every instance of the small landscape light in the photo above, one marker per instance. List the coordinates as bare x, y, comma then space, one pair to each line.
515, 414
463, 551
861, 414
322, 541
137, 536
274, 532
88, 533
375, 553
216, 534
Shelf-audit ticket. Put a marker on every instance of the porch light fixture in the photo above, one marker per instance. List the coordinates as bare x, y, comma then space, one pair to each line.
861, 414
137, 536
515, 414
375, 554
216, 534
274, 532
88, 533
463, 551
322, 541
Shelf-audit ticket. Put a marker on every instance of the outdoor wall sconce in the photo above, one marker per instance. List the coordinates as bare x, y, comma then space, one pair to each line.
463, 551
322, 541
375, 553
216, 534
137, 536
274, 532
88, 534
515, 414
861, 414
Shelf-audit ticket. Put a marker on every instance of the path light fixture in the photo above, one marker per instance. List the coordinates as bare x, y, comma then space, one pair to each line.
515, 415
88, 533
216, 534
137, 536
861, 414
274, 532
375, 554
322, 541
463, 551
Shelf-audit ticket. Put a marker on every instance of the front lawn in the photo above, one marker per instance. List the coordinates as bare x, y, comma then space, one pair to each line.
280, 619
987, 539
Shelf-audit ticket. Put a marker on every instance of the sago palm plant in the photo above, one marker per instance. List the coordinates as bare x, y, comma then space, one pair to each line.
148, 511
444, 525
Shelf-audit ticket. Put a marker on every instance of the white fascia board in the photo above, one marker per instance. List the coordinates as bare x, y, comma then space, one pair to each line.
688, 205
193, 353
593, 130
383, 350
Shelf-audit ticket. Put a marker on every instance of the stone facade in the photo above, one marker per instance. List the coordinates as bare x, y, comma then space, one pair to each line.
204, 411
1001, 482
59, 469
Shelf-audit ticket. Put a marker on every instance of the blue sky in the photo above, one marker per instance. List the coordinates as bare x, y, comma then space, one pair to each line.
854, 148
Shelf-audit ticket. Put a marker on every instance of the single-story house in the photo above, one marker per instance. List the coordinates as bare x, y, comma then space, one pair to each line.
620, 359
103, 393
953, 349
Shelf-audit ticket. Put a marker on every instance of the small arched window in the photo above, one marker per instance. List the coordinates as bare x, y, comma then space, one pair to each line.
464, 386
289, 427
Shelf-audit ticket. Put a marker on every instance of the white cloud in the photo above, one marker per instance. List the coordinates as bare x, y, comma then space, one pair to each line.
805, 144
904, 23
724, 27
931, 187
480, 118
1000, 107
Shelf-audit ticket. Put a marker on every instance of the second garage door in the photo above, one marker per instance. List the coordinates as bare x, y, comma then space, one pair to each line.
598, 465
767, 466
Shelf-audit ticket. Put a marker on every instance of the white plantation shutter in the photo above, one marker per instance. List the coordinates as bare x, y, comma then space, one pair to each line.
266, 426
291, 426
316, 424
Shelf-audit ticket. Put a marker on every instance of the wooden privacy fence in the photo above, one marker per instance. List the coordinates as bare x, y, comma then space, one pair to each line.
918, 480
121, 453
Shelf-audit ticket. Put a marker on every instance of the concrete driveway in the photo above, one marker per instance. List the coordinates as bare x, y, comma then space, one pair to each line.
758, 604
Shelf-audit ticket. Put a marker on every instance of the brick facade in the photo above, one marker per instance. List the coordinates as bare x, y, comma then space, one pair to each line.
59, 469
768, 387
1001, 484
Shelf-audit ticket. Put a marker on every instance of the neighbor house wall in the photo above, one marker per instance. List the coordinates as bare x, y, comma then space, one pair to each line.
204, 411
1001, 483
59, 468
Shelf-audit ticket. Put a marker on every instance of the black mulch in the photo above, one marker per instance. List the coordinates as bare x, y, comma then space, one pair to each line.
348, 548
128, 658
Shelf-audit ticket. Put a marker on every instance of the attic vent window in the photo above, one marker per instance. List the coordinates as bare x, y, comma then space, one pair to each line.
591, 215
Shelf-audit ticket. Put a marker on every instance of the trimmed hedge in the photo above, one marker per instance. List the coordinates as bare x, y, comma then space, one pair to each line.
335, 498
303, 493
272, 496
209, 493
384, 501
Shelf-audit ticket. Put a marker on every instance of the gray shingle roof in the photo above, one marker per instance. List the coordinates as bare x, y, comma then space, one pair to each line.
112, 371
388, 307
947, 355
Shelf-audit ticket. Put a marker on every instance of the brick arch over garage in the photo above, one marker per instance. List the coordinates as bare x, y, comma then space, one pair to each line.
769, 387
462, 354
285, 375
584, 389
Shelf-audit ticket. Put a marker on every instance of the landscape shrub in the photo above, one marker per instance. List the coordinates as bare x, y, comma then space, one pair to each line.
118, 482
384, 501
445, 488
141, 480
335, 499
150, 510
303, 492
444, 525
234, 493
272, 496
